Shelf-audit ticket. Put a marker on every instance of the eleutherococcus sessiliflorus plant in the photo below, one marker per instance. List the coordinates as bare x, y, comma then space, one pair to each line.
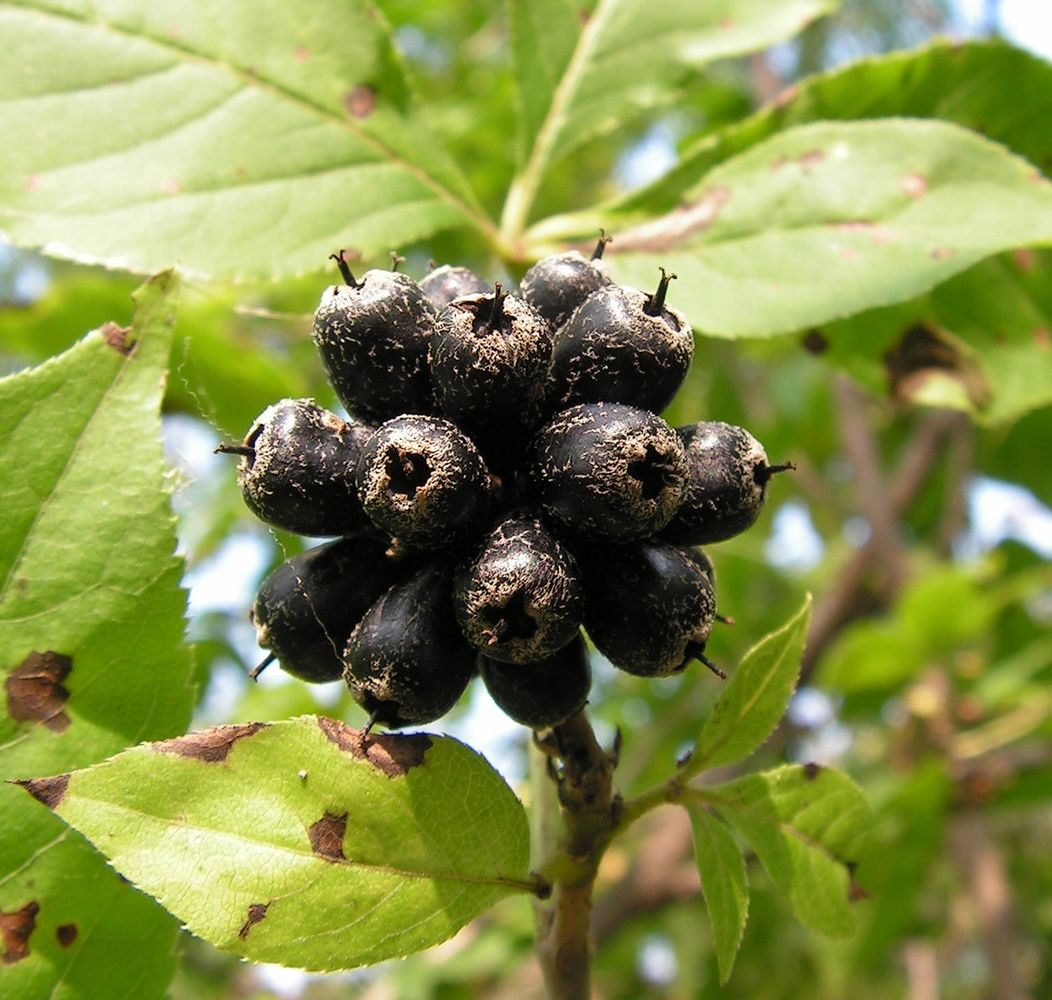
503, 482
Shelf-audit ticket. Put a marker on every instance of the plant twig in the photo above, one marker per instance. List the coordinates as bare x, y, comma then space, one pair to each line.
589, 812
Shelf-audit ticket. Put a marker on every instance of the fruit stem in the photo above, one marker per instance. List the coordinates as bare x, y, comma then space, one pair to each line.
397, 260
656, 302
600, 246
763, 474
256, 671
496, 311
718, 671
345, 269
726, 619
235, 449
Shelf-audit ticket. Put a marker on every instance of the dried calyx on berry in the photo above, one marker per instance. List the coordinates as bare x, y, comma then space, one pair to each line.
623, 346
555, 286
297, 469
423, 480
489, 361
519, 599
728, 476
373, 334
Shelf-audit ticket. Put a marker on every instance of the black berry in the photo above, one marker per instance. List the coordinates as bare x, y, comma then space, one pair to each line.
406, 662
624, 346
297, 469
555, 286
308, 606
489, 359
608, 470
373, 336
728, 472
443, 284
650, 606
541, 694
421, 479
520, 598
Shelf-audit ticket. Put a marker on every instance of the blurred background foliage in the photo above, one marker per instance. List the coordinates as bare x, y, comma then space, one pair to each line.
924, 537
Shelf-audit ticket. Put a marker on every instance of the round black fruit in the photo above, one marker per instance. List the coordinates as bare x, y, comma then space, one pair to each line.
406, 662
650, 606
442, 285
373, 336
308, 606
423, 480
297, 469
541, 694
555, 286
608, 470
623, 346
728, 476
489, 358
520, 598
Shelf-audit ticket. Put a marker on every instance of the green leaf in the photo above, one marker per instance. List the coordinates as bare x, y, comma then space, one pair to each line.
980, 342
254, 139
755, 698
723, 883
580, 75
826, 220
989, 86
304, 842
91, 641
806, 825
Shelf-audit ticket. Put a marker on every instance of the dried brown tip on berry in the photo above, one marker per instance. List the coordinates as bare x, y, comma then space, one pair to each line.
600, 245
236, 449
345, 270
397, 260
763, 473
490, 320
721, 674
656, 302
259, 668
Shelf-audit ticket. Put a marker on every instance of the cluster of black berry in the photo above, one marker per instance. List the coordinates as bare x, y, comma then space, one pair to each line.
503, 480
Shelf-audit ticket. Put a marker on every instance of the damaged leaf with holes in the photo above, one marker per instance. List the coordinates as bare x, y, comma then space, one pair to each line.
305, 842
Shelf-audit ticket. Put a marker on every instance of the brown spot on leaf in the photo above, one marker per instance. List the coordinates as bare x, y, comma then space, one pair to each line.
209, 745
812, 770
32, 183
360, 101
676, 227
811, 158
915, 185
728, 24
1042, 337
15, 929
47, 790
256, 912
390, 753
301, 53
815, 342
118, 337
1024, 259
877, 233
326, 837
855, 892
35, 692
924, 352
171, 185
941, 253
66, 934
